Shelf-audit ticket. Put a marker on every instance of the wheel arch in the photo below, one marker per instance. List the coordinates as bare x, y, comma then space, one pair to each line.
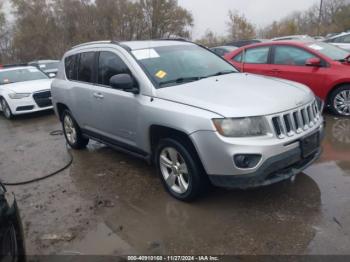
330, 92
158, 132
60, 109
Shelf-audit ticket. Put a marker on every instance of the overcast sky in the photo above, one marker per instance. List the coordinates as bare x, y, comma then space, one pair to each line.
212, 14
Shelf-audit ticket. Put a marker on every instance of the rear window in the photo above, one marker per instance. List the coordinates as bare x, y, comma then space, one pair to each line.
71, 67
21, 75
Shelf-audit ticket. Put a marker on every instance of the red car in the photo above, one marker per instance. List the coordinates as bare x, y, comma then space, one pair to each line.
322, 67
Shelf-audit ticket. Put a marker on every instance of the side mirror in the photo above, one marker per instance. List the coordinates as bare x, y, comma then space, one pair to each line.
315, 61
52, 75
124, 82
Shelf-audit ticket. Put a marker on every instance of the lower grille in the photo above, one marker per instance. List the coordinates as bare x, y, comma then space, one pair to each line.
297, 121
43, 99
24, 108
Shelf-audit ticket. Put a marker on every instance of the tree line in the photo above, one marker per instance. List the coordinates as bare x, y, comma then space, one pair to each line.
47, 28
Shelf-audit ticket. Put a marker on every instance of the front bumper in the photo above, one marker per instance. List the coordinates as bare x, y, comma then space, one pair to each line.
26, 105
280, 158
274, 170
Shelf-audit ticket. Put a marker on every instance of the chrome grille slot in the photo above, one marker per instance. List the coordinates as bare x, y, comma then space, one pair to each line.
296, 121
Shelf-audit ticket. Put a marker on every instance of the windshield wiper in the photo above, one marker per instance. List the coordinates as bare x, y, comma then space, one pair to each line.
181, 80
226, 72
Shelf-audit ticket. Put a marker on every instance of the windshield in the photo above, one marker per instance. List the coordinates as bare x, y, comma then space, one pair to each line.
331, 51
20, 75
174, 65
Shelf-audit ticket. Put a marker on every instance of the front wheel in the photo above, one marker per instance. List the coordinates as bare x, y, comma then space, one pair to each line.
181, 174
6, 109
340, 101
72, 132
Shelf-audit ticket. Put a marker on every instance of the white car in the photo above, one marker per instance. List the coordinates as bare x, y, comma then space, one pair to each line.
342, 41
24, 90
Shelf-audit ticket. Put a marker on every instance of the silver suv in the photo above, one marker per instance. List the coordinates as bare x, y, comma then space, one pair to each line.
188, 111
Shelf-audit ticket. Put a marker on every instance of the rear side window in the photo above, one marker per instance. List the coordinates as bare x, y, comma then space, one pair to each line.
86, 67
238, 58
110, 64
257, 55
71, 67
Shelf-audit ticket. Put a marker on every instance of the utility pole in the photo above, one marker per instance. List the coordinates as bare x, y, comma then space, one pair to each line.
320, 18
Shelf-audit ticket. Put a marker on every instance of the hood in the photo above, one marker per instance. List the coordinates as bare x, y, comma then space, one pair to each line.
29, 86
239, 95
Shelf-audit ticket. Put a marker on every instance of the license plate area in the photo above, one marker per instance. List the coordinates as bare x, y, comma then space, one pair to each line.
310, 145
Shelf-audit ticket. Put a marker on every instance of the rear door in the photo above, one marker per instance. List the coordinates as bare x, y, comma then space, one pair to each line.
289, 62
81, 74
254, 60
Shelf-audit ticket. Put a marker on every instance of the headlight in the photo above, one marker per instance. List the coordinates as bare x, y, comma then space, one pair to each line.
18, 95
241, 127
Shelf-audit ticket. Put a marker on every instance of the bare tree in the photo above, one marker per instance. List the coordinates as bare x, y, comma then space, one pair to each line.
210, 39
165, 18
240, 27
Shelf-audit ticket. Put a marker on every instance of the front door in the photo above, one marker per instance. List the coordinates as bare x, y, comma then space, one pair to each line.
289, 63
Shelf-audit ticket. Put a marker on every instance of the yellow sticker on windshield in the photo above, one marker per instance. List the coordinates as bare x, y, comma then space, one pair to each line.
161, 74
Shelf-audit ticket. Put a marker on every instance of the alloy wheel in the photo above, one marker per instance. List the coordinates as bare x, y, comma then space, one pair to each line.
70, 130
342, 103
174, 170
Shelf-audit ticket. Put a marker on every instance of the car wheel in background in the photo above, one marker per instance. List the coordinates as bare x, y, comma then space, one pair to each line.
181, 174
339, 101
6, 109
72, 132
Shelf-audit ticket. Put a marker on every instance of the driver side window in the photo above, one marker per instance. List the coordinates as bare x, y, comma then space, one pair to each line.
110, 64
289, 55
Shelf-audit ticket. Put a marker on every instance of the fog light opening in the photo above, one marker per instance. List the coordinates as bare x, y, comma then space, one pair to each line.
247, 160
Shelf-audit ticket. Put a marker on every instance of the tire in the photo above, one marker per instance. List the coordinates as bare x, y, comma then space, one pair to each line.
339, 101
72, 132
6, 110
179, 169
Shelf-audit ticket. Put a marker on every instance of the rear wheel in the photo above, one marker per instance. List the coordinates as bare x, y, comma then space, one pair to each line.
6, 109
339, 101
72, 132
181, 174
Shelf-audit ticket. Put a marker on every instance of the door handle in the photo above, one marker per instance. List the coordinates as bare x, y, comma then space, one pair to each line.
276, 70
98, 95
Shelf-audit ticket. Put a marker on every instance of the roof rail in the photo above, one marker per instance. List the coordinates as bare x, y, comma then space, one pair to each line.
175, 39
95, 42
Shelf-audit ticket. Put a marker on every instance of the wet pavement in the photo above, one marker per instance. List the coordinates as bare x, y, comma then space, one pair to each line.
110, 203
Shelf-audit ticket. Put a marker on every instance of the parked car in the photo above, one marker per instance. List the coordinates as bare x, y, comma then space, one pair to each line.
322, 67
178, 105
342, 41
223, 50
294, 38
49, 67
24, 90
241, 43
11, 232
